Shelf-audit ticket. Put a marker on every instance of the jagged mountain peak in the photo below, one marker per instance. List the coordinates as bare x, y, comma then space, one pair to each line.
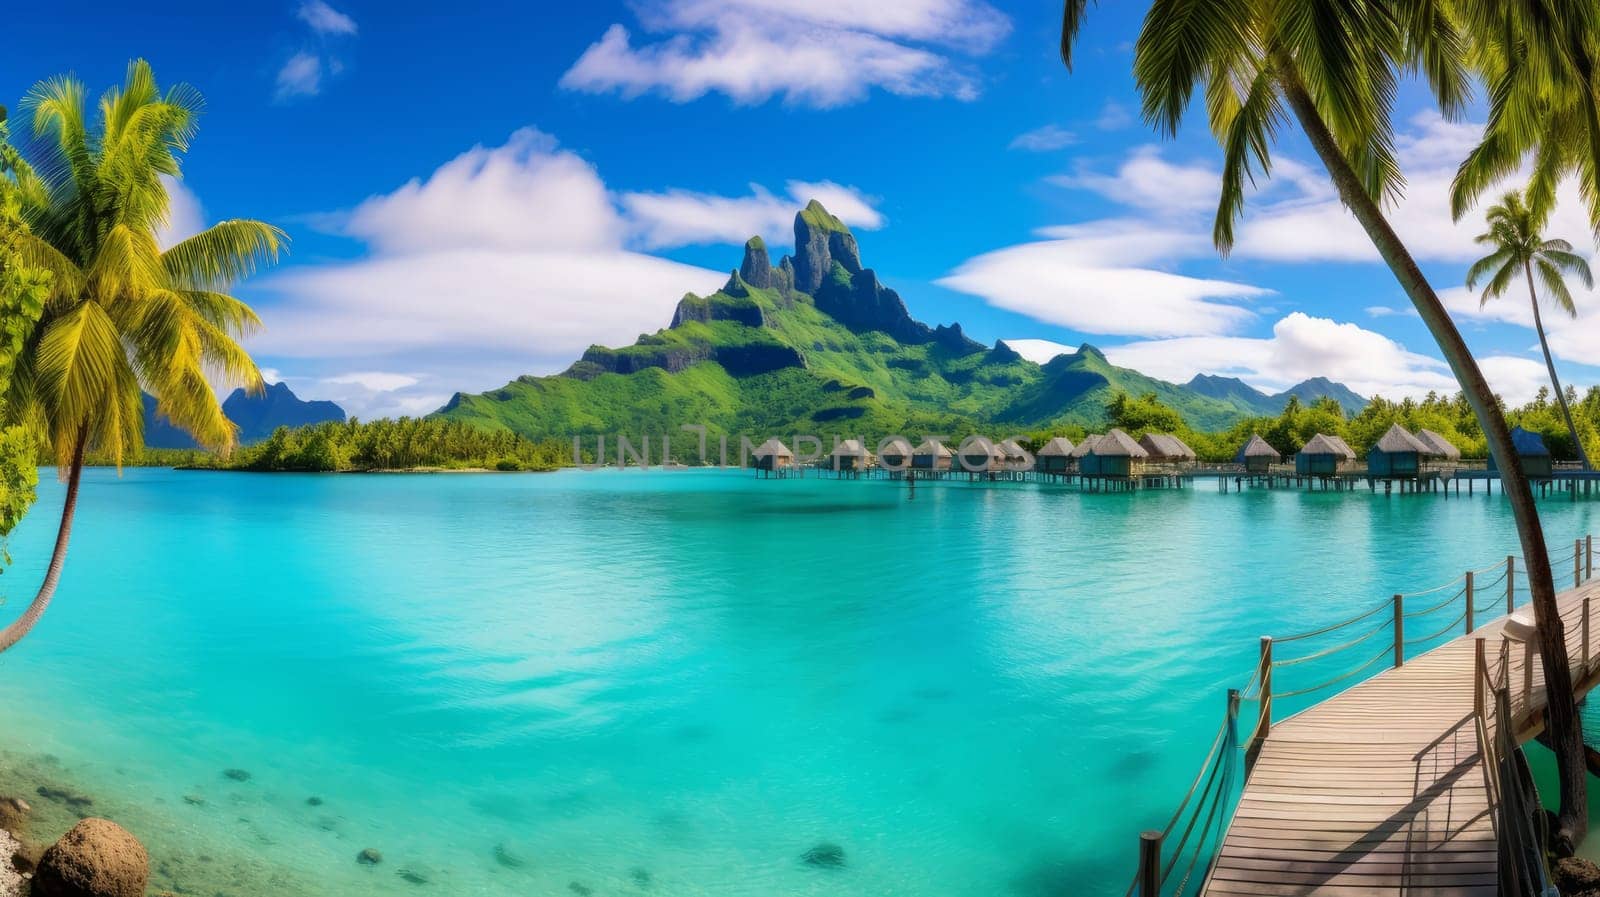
820, 242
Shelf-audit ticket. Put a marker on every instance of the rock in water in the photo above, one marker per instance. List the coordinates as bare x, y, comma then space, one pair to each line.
95, 858
313, 801
238, 775
828, 855
14, 815
369, 857
11, 880
506, 858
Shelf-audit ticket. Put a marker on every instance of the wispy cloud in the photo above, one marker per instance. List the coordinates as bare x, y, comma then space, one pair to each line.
303, 73
301, 76
1044, 139
682, 217
813, 54
324, 19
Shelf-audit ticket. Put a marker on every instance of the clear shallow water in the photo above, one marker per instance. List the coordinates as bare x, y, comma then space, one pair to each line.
670, 683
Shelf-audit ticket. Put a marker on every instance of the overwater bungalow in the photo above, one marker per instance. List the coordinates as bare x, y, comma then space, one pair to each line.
1166, 448
931, 455
773, 455
1322, 456
980, 455
1438, 446
1054, 456
895, 454
1016, 455
1396, 454
1257, 455
1114, 455
1532, 453
850, 454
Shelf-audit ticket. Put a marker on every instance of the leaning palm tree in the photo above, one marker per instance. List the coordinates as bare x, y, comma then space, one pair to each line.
1335, 69
1519, 249
122, 314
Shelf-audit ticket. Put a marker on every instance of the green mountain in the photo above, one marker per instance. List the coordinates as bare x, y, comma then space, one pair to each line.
817, 344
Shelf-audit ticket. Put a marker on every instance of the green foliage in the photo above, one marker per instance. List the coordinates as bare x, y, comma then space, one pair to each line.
22, 294
403, 444
124, 314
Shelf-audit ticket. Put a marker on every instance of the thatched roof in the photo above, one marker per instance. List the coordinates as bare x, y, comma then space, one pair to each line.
896, 446
1528, 442
1013, 449
1399, 439
1166, 447
981, 445
1323, 444
1059, 447
773, 448
933, 447
851, 448
1257, 448
1438, 445
1117, 444
1087, 445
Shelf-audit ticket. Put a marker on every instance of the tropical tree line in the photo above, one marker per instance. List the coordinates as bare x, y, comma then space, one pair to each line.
400, 444
1450, 416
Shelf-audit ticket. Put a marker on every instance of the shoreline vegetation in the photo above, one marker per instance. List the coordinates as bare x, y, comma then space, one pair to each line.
440, 445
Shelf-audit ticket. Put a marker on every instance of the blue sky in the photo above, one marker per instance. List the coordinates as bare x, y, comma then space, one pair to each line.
480, 194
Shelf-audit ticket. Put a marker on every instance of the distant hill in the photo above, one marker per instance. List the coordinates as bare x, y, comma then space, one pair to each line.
1254, 401
818, 344
257, 416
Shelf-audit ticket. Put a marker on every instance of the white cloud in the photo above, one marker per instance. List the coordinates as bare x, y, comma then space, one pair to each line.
1044, 139
375, 381
301, 76
185, 217
684, 217
1088, 278
324, 19
504, 260
1039, 351
525, 194
1301, 346
812, 54
1146, 181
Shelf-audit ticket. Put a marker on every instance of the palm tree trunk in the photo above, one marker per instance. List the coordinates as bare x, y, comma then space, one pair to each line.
20, 627
1562, 721
1550, 365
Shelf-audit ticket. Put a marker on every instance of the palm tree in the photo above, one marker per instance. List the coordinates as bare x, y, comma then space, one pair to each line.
1519, 248
1335, 69
122, 314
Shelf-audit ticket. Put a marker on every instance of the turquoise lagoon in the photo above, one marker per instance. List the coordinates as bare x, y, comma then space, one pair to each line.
676, 683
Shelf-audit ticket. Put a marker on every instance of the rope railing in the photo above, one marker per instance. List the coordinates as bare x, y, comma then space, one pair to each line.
1203, 806
1203, 812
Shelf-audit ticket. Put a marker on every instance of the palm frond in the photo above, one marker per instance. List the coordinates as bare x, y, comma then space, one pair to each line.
222, 255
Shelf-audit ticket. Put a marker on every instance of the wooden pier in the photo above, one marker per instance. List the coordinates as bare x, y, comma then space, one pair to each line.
1407, 783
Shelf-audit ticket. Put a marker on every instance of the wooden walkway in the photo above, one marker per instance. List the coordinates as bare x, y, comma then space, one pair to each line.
1380, 790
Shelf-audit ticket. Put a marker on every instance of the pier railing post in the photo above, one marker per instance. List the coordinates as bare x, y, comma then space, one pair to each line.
1263, 707
1470, 602
1588, 557
1149, 863
1584, 629
1511, 583
1577, 556
1399, 631
1480, 671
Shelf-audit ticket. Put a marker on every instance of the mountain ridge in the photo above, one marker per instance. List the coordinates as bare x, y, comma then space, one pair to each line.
817, 343
256, 416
